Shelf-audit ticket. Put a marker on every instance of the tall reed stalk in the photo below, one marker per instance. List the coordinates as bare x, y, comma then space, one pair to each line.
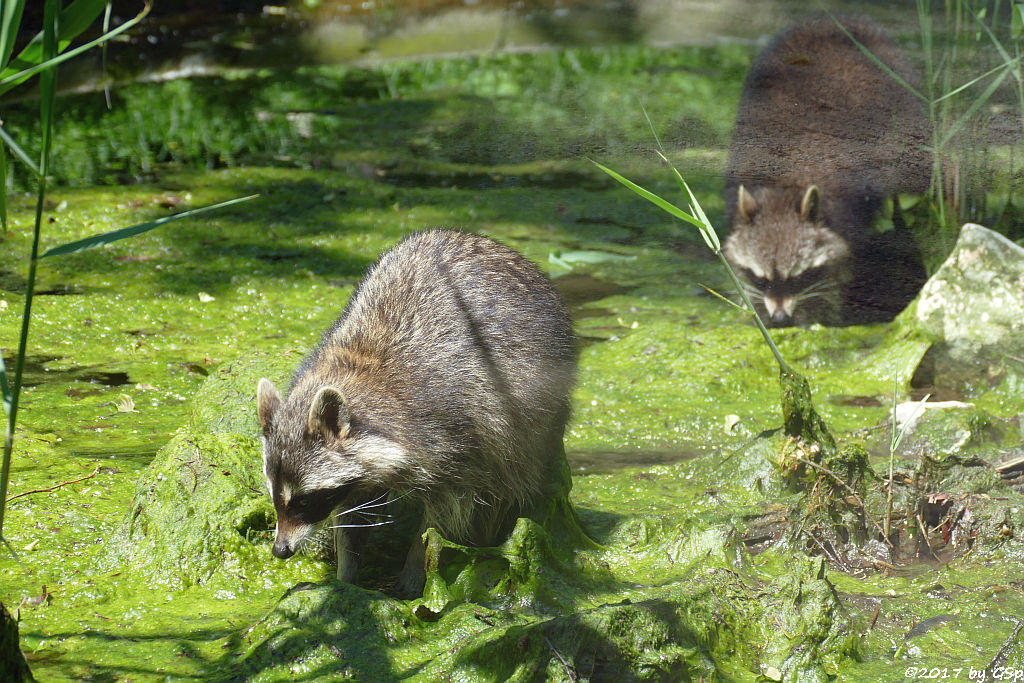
958, 85
41, 56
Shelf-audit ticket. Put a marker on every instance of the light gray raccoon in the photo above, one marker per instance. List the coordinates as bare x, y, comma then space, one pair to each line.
823, 135
445, 381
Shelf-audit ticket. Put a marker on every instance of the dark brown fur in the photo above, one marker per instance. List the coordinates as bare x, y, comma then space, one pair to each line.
818, 113
446, 381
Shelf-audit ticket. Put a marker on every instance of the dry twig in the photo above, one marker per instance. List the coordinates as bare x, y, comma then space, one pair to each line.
56, 486
852, 491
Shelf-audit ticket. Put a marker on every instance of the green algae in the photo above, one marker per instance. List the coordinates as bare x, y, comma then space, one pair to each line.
692, 569
664, 369
194, 520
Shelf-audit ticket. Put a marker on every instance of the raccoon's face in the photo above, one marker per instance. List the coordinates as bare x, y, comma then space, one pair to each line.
793, 266
307, 476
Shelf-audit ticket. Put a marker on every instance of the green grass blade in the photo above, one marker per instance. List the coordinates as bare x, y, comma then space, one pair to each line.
650, 125
707, 231
742, 309
72, 21
982, 77
5, 388
47, 93
918, 409
10, 20
892, 439
120, 234
10, 549
21, 70
18, 152
879, 63
976, 104
995, 41
651, 197
3, 189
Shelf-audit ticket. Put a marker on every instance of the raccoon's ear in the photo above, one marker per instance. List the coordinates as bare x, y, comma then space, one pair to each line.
328, 415
810, 205
268, 400
746, 204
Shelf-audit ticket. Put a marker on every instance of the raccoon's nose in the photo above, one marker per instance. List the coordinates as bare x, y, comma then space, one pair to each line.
780, 317
282, 550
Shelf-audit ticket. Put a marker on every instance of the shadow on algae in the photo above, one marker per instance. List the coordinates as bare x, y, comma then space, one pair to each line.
648, 599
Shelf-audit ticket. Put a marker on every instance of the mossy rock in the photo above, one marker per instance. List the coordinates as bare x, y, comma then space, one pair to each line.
491, 627
201, 512
226, 402
548, 603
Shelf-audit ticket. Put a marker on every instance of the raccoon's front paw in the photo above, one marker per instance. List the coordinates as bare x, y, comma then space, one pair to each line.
413, 576
347, 569
410, 582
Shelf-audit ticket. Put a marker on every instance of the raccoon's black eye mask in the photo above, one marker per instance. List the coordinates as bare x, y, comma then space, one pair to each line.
314, 506
759, 283
802, 281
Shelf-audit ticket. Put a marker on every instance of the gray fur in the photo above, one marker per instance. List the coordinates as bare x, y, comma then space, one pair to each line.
446, 380
816, 112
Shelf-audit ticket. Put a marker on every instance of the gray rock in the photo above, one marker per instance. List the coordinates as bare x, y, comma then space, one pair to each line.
973, 307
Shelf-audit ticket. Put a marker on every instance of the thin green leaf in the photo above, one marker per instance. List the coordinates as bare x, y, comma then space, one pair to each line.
3, 189
103, 54
72, 21
977, 103
995, 41
895, 388
707, 231
115, 235
10, 79
742, 309
982, 77
10, 21
651, 197
918, 409
879, 63
5, 388
48, 83
650, 125
18, 152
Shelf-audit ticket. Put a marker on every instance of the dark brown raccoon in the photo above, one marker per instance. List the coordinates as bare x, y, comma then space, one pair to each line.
823, 136
445, 381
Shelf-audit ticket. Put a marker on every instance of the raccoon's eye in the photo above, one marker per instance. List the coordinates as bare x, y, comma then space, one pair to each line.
808, 278
300, 503
758, 283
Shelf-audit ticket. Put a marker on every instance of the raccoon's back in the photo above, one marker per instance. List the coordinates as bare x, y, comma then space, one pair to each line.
467, 335
816, 110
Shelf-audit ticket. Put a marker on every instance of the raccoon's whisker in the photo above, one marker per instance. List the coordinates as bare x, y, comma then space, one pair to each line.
817, 291
812, 295
392, 500
367, 505
820, 286
360, 526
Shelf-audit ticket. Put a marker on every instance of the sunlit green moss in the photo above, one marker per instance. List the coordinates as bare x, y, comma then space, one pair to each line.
159, 341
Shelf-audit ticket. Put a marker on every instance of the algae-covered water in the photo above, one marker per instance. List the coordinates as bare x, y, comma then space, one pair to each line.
137, 512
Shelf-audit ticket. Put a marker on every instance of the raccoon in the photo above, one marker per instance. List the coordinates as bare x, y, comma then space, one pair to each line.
445, 381
823, 136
